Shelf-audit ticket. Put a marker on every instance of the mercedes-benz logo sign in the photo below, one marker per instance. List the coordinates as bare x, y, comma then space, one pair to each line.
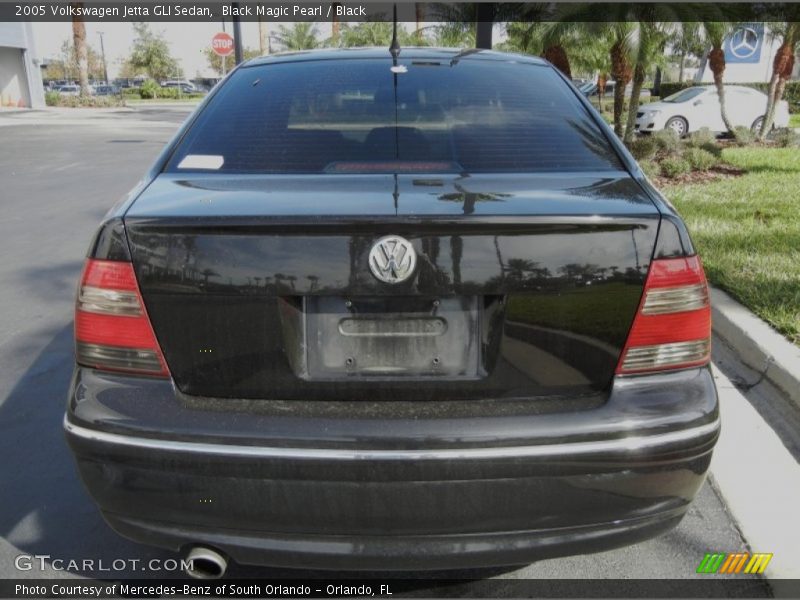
392, 259
744, 42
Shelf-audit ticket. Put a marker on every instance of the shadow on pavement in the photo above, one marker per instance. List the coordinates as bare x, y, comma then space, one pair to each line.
45, 510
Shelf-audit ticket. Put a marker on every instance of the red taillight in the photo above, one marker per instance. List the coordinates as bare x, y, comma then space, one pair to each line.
672, 328
112, 330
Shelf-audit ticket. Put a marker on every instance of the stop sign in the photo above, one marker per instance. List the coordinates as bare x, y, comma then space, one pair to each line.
222, 44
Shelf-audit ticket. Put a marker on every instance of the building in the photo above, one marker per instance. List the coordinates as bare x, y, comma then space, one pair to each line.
749, 53
20, 76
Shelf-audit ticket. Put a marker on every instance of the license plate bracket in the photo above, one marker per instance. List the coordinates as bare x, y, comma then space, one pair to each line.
391, 337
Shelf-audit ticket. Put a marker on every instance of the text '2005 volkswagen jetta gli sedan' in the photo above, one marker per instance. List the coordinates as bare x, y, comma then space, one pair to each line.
381, 312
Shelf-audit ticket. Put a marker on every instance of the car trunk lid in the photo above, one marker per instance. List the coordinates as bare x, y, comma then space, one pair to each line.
260, 286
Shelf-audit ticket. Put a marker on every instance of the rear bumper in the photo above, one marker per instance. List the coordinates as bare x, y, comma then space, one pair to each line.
463, 492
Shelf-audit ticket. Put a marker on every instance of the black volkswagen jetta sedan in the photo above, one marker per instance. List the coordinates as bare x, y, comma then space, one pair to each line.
380, 312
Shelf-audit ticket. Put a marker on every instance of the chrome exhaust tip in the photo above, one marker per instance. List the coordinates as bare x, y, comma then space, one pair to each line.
205, 563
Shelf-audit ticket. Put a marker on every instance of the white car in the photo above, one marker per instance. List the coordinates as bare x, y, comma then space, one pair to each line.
69, 90
697, 107
73, 90
186, 87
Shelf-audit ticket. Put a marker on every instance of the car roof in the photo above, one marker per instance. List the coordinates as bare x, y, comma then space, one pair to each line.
413, 53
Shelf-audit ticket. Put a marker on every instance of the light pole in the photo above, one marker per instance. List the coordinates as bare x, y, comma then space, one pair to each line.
237, 34
103, 53
224, 58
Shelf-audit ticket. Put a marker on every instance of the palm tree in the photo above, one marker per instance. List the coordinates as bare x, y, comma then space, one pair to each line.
335, 25
650, 47
518, 269
457, 29
557, 36
640, 32
419, 15
521, 37
81, 52
782, 65
376, 33
593, 57
454, 35
551, 31
300, 36
621, 69
687, 41
716, 32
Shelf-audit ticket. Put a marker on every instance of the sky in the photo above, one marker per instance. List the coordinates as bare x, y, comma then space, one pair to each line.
187, 40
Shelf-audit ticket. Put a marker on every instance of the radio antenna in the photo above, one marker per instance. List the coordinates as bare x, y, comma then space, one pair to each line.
394, 47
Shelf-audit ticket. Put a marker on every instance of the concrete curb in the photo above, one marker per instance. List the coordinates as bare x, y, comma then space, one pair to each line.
759, 481
758, 345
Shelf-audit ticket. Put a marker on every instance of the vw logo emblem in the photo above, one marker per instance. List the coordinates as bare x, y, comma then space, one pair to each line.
744, 42
392, 259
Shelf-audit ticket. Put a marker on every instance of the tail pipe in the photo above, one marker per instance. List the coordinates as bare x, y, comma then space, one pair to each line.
205, 563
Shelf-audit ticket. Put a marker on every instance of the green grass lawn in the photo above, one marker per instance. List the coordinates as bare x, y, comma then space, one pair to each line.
794, 120
747, 230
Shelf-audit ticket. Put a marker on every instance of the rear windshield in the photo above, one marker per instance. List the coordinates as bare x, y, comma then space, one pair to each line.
365, 116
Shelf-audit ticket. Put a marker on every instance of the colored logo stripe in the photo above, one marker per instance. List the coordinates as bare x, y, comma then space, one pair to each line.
710, 563
734, 563
758, 563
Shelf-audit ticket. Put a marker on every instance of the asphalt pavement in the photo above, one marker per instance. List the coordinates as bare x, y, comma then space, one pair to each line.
56, 183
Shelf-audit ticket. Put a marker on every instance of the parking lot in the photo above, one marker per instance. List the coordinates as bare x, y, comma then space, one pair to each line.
59, 176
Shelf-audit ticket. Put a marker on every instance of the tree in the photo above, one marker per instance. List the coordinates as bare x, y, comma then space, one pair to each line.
782, 65
66, 66
79, 40
549, 39
685, 42
716, 32
522, 37
419, 16
369, 33
215, 60
593, 57
454, 35
557, 37
127, 70
555, 31
151, 54
300, 36
650, 48
639, 33
376, 33
621, 69
459, 21
335, 24
457, 28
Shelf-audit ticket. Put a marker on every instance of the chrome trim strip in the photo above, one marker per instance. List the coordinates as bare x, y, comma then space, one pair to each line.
631, 444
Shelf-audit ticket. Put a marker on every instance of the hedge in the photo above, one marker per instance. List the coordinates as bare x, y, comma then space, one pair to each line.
56, 99
791, 93
153, 90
